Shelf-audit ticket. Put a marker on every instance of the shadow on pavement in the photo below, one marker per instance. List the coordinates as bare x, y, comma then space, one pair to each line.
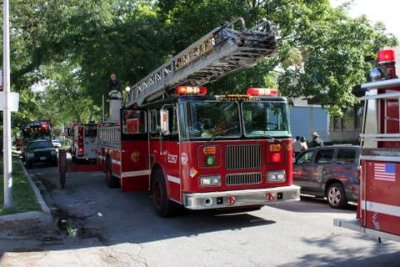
380, 255
88, 214
314, 205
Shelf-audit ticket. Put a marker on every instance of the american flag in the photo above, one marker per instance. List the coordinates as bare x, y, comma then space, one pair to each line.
385, 171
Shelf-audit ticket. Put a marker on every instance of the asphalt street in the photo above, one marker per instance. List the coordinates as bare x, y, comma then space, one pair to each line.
96, 226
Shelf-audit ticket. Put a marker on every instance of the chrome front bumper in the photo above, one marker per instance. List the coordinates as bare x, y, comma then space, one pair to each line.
241, 198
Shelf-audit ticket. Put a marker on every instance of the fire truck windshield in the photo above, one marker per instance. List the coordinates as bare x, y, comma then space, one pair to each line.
210, 119
265, 118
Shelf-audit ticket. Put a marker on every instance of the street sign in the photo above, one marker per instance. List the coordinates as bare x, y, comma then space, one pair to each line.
14, 101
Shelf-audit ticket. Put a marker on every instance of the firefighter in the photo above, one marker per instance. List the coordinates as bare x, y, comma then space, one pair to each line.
316, 141
114, 87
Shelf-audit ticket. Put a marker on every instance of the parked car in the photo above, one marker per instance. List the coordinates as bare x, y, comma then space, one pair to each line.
57, 143
40, 151
331, 171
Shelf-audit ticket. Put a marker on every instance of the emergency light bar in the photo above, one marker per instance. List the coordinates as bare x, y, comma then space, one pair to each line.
386, 56
386, 61
262, 92
191, 90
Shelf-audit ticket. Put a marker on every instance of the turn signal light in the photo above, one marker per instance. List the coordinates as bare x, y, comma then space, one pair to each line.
209, 150
275, 148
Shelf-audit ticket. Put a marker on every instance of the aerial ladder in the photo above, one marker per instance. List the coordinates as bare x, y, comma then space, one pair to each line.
221, 51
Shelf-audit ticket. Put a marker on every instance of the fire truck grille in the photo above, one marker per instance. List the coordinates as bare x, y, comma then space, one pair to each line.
238, 157
243, 178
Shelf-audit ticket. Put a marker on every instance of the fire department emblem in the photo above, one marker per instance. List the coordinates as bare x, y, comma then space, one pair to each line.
184, 158
135, 156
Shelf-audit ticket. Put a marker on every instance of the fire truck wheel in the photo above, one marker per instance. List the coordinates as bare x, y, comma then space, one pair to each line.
336, 196
163, 206
111, 180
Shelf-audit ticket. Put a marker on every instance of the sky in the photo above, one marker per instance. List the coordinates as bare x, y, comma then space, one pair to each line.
376, 10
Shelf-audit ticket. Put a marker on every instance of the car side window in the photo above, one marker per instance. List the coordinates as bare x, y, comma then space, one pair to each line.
305, 158
346, 156
324, 156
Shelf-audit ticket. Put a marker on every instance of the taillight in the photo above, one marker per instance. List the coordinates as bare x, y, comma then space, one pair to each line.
81, 150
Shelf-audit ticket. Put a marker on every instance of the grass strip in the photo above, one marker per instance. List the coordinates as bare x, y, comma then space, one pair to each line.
24, 198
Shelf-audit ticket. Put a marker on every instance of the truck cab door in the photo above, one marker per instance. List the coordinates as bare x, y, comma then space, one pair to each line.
135, 166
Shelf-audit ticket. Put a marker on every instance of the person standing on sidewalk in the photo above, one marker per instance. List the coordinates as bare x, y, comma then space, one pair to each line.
316, 141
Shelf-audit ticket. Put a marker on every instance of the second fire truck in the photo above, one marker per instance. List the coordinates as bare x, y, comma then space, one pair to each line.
378, 211
201, 151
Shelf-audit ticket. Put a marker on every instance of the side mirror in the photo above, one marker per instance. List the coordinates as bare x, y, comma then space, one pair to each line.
164, 116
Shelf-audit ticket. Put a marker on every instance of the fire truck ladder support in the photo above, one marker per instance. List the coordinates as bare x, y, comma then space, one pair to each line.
221, 51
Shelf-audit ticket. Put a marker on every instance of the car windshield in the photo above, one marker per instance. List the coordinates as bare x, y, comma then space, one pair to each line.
40, 144
207, 119
265, 118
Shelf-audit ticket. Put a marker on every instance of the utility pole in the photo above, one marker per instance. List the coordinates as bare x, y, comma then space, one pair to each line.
7, 161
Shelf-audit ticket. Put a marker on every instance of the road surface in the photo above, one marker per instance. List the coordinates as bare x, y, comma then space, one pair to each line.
97, 226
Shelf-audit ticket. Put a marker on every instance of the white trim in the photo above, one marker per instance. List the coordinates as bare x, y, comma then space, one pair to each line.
381, 158
136, 173
117, 162
381, 208
174, 179
116, 175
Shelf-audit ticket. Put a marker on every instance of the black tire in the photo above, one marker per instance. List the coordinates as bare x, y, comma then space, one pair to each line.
111, 180
29, 164
336, 196
162, 205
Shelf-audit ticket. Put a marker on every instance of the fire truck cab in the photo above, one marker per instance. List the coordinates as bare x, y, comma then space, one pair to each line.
378, 211
204, 152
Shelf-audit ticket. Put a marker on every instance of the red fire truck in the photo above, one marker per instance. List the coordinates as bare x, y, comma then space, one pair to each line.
83, 138
378, 211
201, 151
35, 130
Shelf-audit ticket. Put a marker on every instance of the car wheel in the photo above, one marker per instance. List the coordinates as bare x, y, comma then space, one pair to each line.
336, 196
163, 206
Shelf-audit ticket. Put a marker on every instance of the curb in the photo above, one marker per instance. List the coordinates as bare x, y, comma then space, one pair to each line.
39, 198
38, 215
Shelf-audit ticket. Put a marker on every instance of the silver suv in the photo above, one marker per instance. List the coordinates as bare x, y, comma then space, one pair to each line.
331, 172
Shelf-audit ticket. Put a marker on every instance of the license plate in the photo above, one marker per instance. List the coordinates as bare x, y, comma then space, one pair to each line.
42, 158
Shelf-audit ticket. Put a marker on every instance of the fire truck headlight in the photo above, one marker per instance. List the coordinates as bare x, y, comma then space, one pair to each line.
29, 155
214, 180
276, 176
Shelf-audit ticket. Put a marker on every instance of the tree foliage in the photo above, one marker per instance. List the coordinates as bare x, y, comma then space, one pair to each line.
74, 45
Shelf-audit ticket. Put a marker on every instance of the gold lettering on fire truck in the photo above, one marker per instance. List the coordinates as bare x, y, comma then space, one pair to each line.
172, 158
135, 156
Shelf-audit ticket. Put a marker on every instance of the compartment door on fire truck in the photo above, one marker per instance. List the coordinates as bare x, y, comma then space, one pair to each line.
135, 168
